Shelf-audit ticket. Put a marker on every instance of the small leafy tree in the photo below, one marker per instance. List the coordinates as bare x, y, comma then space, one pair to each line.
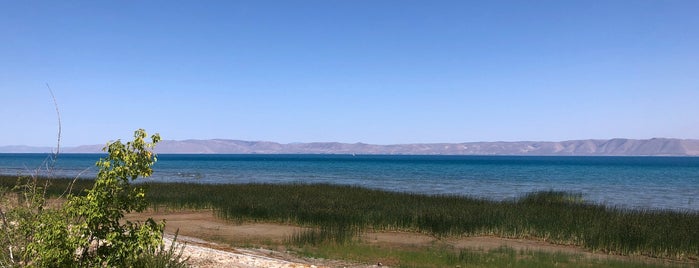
104, 238
88, 229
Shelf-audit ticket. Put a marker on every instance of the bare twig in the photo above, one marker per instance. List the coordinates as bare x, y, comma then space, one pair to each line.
33, 198
54, 155
58, 115
69, 190
5, 227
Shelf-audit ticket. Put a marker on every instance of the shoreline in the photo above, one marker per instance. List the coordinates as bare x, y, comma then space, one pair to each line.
211, 243
632, 182
288, 214
8, 180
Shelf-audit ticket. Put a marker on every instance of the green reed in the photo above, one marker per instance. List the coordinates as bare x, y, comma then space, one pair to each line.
556, 217
53, 187
445, 256
551, 216
327, 234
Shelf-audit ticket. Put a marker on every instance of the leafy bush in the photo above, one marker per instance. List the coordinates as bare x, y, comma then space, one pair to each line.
87, 229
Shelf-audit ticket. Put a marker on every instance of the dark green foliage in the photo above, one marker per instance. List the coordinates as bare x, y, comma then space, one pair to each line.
55, 187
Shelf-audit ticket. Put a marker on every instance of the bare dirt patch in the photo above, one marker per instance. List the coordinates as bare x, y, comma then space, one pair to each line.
203, 224
209, 241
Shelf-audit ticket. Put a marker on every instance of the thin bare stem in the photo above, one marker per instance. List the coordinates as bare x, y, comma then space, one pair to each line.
54, 156
7, 233
58, 115
69, 190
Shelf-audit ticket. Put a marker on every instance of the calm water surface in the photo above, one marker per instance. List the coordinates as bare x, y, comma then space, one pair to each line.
632, 182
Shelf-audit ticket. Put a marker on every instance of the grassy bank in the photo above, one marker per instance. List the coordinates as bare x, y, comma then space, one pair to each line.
436, 257
550, 216
340, 212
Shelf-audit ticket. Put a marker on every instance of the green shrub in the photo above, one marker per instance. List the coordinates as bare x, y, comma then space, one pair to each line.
87, 229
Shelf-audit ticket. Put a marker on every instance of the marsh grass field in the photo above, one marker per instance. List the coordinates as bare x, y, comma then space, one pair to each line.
336, 216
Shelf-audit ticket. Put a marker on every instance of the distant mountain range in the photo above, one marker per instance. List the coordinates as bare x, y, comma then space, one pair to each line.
613, 147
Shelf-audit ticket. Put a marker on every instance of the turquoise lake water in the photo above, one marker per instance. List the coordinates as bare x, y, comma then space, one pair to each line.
629, 182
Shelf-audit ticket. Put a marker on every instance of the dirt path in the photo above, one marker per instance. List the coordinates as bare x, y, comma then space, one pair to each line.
197, 228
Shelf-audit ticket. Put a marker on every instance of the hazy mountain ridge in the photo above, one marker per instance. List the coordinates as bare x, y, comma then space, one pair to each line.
613, 147
24, 149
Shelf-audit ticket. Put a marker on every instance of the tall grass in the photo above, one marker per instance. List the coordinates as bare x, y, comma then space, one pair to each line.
551, 216
327, 234
445, 256
340, 212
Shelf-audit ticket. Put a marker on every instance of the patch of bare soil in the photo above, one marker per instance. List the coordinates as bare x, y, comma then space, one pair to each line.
198, 227
204, 225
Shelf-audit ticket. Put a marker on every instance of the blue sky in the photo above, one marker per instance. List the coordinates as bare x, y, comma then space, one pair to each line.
369, 71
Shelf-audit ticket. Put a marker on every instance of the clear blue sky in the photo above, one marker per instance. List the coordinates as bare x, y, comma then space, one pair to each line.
369, 71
